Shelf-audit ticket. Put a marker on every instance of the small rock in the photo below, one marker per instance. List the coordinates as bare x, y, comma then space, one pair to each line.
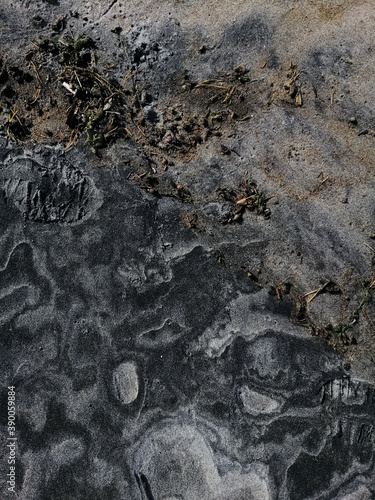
125, 382
257, 403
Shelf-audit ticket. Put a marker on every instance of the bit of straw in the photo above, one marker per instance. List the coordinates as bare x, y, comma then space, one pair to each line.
73, 139
332, 96
37, 74
370, 247
36, 97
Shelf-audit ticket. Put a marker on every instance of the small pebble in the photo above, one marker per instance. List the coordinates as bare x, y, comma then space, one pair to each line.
125, 382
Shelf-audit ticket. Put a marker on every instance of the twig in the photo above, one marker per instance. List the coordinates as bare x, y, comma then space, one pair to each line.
129, 75
141, 131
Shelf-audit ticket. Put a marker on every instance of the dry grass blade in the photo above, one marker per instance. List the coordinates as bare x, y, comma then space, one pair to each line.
213, 84
36, 97
313, 294
229, 93
73, 139
293, 79
320, 184
79, 81
14, 115
370, 247
110, 132
129, 75
37, 74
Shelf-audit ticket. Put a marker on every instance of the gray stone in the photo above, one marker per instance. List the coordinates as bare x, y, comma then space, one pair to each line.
125, 382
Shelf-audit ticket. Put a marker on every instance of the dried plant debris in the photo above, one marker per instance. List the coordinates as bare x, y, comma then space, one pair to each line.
63, 93
343, 334
324, 180
328, 287
144, 180
340, 337
193, 220
58, 94
98, 106
229, 97
290, 90
247, 196
61, 78
160, 186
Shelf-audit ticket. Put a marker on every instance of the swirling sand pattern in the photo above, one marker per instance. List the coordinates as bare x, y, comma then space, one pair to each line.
137, 378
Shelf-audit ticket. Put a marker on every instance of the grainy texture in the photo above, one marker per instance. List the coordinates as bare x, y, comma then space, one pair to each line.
186, 249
